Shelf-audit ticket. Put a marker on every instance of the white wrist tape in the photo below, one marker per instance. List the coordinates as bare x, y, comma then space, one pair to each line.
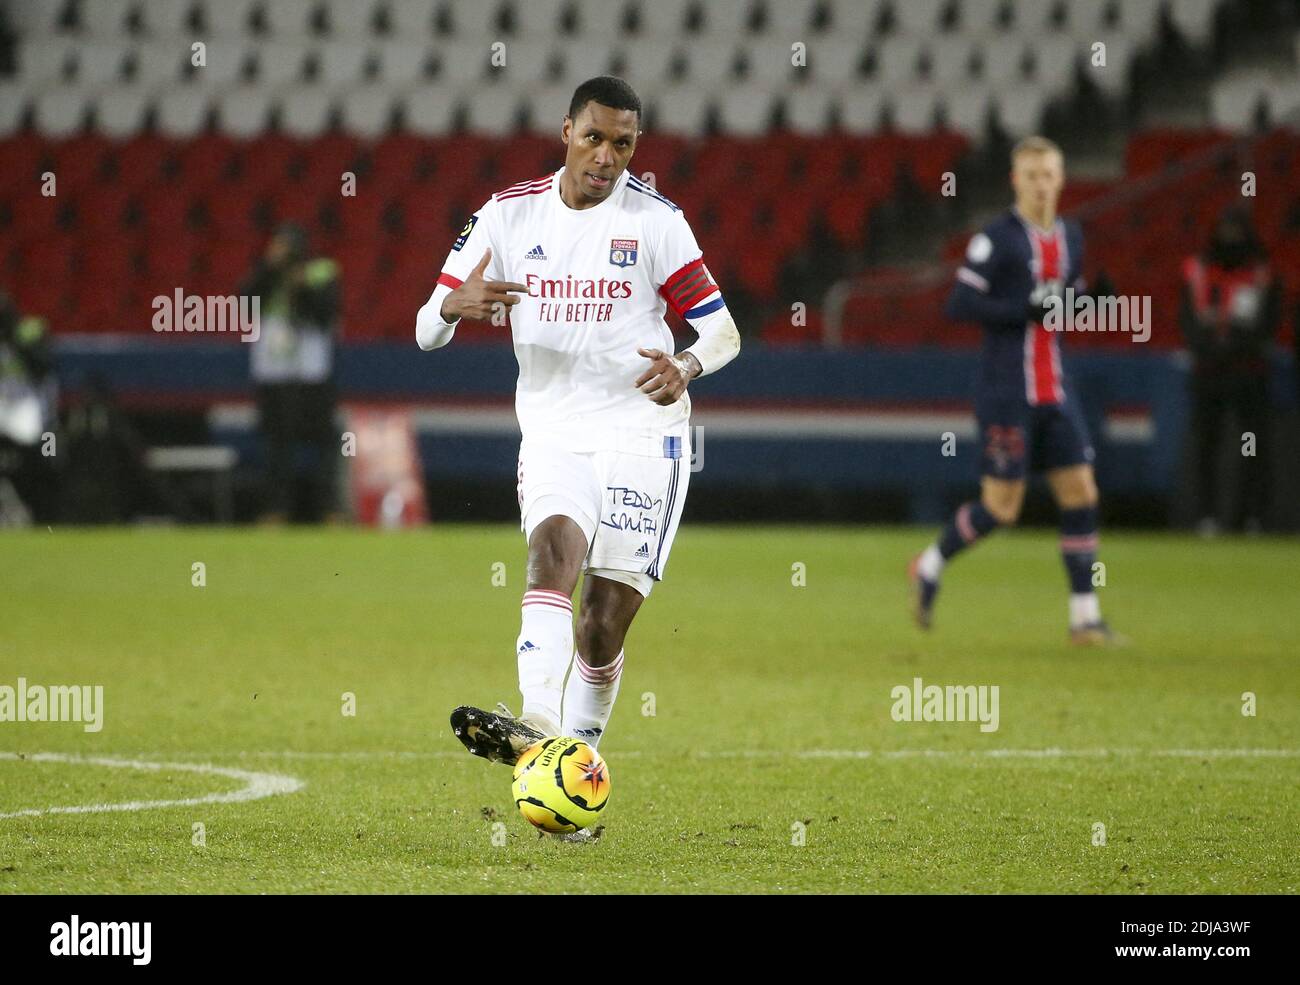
718, 343
431, 332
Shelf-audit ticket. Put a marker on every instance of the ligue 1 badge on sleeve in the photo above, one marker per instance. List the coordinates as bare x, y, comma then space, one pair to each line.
464, 233
622, 252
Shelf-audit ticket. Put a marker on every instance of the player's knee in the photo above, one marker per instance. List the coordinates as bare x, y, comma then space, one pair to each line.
599, 637
1004, 509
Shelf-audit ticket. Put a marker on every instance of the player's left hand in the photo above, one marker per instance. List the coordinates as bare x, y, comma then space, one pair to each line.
665, 381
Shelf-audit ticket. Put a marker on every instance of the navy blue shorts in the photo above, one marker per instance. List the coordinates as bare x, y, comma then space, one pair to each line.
1016, 437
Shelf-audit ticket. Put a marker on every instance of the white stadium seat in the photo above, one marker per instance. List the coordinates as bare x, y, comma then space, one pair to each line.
539, 18
601, 21
808, 108
33, 18
350, 20
860, 109
789, 20
430, 110
164, 18
681, 109
834, 60
183, 110
1194, 19
106, 18
342, 64
528, 60
709, 63
1284, 100
464, 63
494, 110
289, 18
305, 111
646, 65
101, 62
367, 111
583, 61
14, 99
664, 18
1055, 59
225, 58
61, 110
770, 61
280, 63
1034, 18
161, 63
402, 63
45, 60
1140, 19
897, 59
228, 18
1113, 77
914, 108
1087, 18
980, 17
950, 58
547, 106
1236, 98
478, 19
1021, 109
967, 110
855, 19
727, 20
244, 111
121, 110
411, 20
746, 110
1003, 58
919, 17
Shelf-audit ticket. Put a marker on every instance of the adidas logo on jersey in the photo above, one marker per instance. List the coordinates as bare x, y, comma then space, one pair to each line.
536, 253
528, 646
643, 551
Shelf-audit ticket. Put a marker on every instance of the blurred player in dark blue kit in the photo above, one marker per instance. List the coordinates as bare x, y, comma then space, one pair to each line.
1028, 417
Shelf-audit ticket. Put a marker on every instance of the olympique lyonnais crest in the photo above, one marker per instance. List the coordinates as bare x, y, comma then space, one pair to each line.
622, 252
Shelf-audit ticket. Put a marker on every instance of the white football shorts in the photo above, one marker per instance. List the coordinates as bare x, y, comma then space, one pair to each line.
628, 506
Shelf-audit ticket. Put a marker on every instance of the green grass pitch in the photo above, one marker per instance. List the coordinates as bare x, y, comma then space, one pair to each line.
771, 718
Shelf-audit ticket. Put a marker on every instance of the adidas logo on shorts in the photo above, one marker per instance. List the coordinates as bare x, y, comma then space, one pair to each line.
643, 552
536, 253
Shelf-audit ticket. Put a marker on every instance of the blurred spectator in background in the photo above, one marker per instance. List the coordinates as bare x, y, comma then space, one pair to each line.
1230, 309
27, 411
293, 369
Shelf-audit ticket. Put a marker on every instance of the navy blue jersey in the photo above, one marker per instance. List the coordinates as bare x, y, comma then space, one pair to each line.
1004, 265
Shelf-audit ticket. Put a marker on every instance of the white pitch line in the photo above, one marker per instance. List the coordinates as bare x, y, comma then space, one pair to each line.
1048, 753
257, 785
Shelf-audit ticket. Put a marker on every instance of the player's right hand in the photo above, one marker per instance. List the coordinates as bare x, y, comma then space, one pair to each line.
480, 298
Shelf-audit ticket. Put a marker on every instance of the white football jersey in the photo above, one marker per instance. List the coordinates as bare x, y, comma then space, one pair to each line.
599, 283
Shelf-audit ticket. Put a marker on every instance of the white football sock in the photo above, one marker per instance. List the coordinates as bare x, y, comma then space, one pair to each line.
930, 566
544, 648
1085, 609
589, 698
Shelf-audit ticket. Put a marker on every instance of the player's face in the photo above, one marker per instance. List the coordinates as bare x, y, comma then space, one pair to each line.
601, 141
1037, 179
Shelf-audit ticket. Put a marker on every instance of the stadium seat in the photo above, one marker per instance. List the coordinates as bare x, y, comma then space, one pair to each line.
528, 61
289, 19
726, 20
105, 18
1020, 109
583, 60
966, 110
61, 111
101, 62
808, 109
33, 17
949, 58
1194, 19
350, 20
402, 63
538, 18
601, 20
1003, 59
680, 110
411, 20
305, 111
913, 108
981, 18
430, 113
649, 64
547, 107
244, 111
834, 60
225, 60
770, 62
918, 17
746, 110
367, 110
160, 63
860, 110
14, 103
228, 18
164, 18
46, 60
897, 62
121, 111
279, 63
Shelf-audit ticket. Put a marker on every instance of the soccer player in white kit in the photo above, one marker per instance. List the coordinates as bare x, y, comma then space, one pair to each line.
587, 261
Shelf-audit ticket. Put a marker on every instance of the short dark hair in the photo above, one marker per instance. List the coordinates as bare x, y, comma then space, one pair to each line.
608, 90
